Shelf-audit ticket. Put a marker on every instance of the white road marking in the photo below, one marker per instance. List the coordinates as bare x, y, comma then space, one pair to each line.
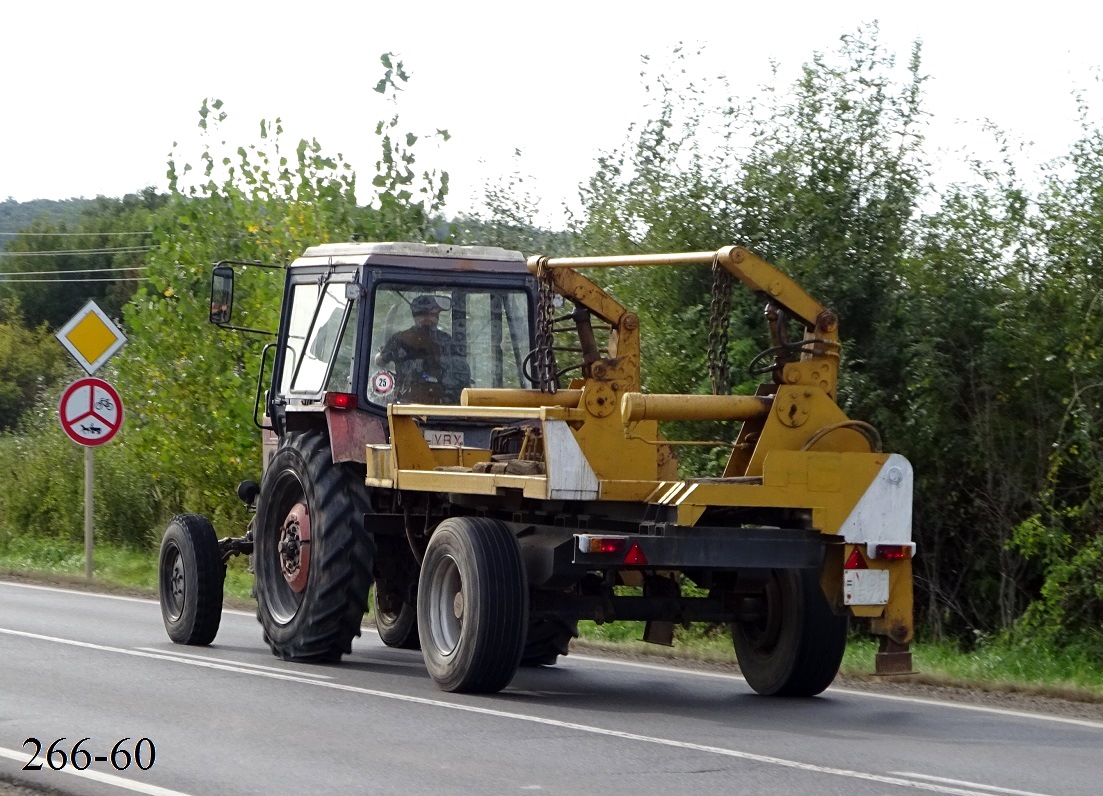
233, 663
76, 591
674, 668
99, 776
993, 788
503, 714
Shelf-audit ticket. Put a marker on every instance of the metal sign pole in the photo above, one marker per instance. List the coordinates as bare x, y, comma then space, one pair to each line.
88, 513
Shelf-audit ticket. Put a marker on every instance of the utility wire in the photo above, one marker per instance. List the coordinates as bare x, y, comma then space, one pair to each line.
73, 234
56, 281
68, 252
71, 271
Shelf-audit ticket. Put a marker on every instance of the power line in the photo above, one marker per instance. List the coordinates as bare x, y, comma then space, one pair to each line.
73, 234
57, 281
69, 252
71, 271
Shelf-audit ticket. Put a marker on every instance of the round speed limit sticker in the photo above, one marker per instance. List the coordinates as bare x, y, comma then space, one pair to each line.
383, 382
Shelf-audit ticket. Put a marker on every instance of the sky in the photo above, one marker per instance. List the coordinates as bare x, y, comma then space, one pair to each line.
96, 94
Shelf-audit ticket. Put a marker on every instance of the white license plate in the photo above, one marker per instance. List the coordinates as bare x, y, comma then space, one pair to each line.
451, 439
865, 586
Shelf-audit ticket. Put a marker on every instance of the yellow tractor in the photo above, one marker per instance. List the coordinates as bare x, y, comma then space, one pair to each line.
421, 435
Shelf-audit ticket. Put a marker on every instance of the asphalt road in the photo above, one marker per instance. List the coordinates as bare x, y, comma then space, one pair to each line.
232, 719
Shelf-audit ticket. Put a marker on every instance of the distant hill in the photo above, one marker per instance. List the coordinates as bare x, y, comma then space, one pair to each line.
16, 216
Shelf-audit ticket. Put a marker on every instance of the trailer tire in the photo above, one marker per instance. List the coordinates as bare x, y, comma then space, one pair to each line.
313, 558
396, 629
547, 639
190, 574
472, 605
795, 645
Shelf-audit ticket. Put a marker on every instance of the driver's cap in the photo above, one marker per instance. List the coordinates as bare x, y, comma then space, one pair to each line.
423, 305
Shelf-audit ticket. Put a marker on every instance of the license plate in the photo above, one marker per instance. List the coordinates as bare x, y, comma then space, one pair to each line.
865, 586
450, 439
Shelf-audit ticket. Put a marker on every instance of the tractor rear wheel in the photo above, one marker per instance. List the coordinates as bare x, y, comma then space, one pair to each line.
789, 642
190, 573
472, 605
313, 559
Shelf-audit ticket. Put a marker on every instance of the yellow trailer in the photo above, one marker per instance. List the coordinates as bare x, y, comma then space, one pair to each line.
495, 503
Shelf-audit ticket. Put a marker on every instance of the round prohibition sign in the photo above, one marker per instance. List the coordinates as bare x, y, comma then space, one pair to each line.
91, 411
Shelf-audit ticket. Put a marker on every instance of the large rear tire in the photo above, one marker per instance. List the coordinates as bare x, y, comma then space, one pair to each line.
313, 558
792, 644
190, 573
472, 605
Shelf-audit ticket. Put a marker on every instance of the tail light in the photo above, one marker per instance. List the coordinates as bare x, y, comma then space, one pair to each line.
340, 400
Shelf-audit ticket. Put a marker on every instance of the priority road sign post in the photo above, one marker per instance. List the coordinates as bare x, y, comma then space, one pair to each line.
91, 411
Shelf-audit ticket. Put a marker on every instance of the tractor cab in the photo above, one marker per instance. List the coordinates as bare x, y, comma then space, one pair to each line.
365, 325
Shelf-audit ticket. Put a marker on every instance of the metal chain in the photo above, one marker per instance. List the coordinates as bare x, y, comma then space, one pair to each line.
719, 323
545, 367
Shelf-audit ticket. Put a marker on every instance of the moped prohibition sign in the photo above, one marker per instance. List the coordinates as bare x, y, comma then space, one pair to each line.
91, 411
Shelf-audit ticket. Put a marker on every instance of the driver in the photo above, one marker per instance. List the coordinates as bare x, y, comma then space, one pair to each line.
430, 368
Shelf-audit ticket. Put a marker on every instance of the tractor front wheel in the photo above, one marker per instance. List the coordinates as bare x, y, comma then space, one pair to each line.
190, 573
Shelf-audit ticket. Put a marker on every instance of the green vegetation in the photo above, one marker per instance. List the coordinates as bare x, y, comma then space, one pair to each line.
970, 313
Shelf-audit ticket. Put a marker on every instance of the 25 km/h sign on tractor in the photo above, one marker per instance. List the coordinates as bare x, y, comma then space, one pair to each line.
91, 411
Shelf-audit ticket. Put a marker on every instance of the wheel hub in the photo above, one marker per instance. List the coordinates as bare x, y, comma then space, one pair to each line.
176, 587
294, 548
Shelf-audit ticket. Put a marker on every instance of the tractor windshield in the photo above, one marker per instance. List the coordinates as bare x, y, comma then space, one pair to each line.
429, 342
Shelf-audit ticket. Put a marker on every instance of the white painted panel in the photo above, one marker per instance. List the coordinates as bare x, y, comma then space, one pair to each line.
884, 512
570, 476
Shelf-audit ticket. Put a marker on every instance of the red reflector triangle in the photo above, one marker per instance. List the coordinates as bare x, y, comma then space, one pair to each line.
856, 561
635, 555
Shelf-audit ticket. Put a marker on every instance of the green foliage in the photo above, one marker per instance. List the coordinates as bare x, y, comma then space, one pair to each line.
16, 216
823, 180
63, 264
31, 361
506, 219
406, 202
188, 387
1064, 535
42, 486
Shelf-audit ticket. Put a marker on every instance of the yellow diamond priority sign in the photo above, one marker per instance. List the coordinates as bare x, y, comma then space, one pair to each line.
91, 337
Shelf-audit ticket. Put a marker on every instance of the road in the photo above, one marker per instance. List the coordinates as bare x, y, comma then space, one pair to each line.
232, 719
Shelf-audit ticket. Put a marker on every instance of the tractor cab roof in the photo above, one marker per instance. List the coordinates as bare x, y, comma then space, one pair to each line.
436, 256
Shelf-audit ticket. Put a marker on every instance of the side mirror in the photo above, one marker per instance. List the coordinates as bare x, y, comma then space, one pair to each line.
222, 294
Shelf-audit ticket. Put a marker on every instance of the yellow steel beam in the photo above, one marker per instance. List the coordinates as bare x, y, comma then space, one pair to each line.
501, 396
636, 406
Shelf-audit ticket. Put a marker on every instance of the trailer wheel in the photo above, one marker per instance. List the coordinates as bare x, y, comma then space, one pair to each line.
313, 559
190, 573
397, 628
790, 643
472, 605
546, 640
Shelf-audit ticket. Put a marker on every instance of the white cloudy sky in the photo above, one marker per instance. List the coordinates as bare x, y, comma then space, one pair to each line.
95, 94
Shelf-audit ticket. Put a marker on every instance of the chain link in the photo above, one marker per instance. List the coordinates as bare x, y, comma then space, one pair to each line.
545, 367
719, 323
